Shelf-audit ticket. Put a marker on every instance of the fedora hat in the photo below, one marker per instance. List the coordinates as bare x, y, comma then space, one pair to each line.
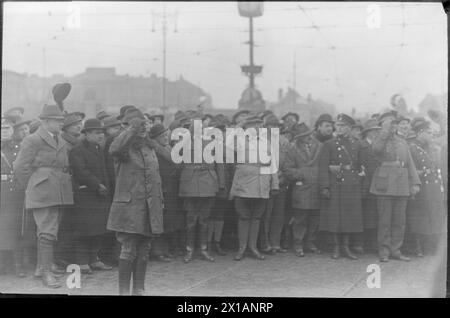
324, 118
92, 124
346, 119
110, 121
71, 119
301, 130
157, 130
237, 114
178, 115
123, 110
391, 113
21, 122
371, 124
132, 113
51, 112
297, 117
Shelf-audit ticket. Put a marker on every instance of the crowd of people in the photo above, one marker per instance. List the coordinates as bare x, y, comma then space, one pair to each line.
104, 192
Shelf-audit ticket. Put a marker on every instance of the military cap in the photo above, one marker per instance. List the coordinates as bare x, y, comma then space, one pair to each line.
345, 119
300, 130
297, 117
237, 114
21, 122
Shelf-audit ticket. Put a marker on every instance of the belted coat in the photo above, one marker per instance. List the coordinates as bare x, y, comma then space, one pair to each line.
137, 205
42, 167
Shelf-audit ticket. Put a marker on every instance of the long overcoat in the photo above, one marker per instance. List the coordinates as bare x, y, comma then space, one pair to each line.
137, 205
369, 201
426, 212
302, 170
42, 167
91, 210
11, 200
342, 212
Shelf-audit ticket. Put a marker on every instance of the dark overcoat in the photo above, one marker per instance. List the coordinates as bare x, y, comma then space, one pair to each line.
302, 170
91, 210
137, 205
173, 216
342, 212
426, 212
11, 200
369, 201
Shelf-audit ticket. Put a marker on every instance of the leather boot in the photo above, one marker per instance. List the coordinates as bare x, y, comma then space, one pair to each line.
139, 270
336, 247
243, 232
419, 250
253, 239
46, 251
18, 262
125, 269
218, 249
190, 239
345, 249
205, 254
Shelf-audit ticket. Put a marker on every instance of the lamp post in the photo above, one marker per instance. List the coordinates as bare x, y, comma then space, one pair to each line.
251, 98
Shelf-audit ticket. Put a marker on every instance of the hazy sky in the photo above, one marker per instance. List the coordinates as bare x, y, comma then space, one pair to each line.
339, 58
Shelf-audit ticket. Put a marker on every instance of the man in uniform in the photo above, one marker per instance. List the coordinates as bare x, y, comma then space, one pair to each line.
136, 211
42, 166
340, 186
302, 170
393, 182
426, 215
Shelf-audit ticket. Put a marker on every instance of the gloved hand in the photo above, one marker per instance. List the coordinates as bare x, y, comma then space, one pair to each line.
102, 190
222, 193
415, 189
325, 193
274, 192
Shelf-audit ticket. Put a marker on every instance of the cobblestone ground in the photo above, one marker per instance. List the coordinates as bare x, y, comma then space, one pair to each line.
282, 275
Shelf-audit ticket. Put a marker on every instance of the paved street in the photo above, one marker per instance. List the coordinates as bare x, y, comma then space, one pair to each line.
281, 275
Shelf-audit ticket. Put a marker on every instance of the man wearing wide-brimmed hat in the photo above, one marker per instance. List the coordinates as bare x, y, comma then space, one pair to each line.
302, 170
14, 114
340, 174
426, 214
368, 239
136, 212
251, 188
21, 130
42, 167
92, 197
393, 182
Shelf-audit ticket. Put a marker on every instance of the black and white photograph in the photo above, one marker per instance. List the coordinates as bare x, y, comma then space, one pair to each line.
226, 149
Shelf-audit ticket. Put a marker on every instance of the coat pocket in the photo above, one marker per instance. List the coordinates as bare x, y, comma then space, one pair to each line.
381, 180
122, 197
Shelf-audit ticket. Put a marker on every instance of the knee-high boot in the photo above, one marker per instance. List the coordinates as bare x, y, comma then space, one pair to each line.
125, 269
243, 233
345, 249
253, 239
204, 231
190, 241
218, 228
336, 246
139, 271
46, 256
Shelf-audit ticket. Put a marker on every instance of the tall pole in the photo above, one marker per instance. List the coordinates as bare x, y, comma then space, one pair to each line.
252, 75
44, 57
294, 84
164, 30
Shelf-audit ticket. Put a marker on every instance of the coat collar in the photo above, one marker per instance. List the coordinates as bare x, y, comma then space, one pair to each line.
89, 146
44, 134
